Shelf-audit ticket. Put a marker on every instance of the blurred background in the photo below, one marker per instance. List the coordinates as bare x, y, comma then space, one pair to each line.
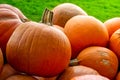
101, 9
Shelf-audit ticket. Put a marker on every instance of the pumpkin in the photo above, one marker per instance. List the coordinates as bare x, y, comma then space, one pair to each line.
84, 31
7, 71
101, 59
112, 25
63, 12
74, 71
39, 48
1, 60
118, 76
90, 77
21, 77
15, 10
8, 23
114, 43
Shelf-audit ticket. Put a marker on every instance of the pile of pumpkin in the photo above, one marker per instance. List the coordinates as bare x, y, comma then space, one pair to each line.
67, 44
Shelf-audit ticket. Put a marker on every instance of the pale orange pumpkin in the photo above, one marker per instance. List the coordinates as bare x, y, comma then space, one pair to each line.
112, 25
16, 10
90, 77
101, 59
21, 77
74, 71
40, 49
7, 71
84, 31
63, 12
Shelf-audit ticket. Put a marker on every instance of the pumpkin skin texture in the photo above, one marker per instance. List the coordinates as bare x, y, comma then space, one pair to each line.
21, 77
112, 25
6, 14
114, 43
15, 10
90, 77
101, 59
39, 49
74, 71
63, 12
7, 71
84, 31
8, 23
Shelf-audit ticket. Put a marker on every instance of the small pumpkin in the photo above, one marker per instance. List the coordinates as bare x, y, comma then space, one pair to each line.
16, 10
21, 77
39, 48
7, 71
112, 25
90, 77
84, 31
63, 12
74, 71
101, 59
114, 43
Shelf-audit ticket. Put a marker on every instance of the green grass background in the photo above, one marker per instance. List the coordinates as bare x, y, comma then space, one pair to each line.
101, 9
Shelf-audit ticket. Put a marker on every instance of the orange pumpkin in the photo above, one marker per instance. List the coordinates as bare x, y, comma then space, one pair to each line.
8, 23
101, 59
84, 31
16, 10
90, 77
7, 71
40, 49
21, 77
114, 43
63, 12
112, 25
74, 71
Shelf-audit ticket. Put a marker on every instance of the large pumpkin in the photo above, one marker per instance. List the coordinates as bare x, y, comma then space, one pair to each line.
84, 31
112, 25
8, 23
15, 10
114, 43
39, 49
74, 71
90, 77
63, 12
101, 59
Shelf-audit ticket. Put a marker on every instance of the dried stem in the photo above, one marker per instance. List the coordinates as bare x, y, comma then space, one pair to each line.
47, 17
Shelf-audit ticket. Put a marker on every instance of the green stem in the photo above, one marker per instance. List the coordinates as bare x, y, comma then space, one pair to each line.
47, 17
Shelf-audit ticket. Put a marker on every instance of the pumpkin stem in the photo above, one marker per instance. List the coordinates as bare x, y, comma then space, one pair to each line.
74, 62
47, 17
25, 20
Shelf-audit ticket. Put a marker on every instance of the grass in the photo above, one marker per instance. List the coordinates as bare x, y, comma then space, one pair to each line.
101, 9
